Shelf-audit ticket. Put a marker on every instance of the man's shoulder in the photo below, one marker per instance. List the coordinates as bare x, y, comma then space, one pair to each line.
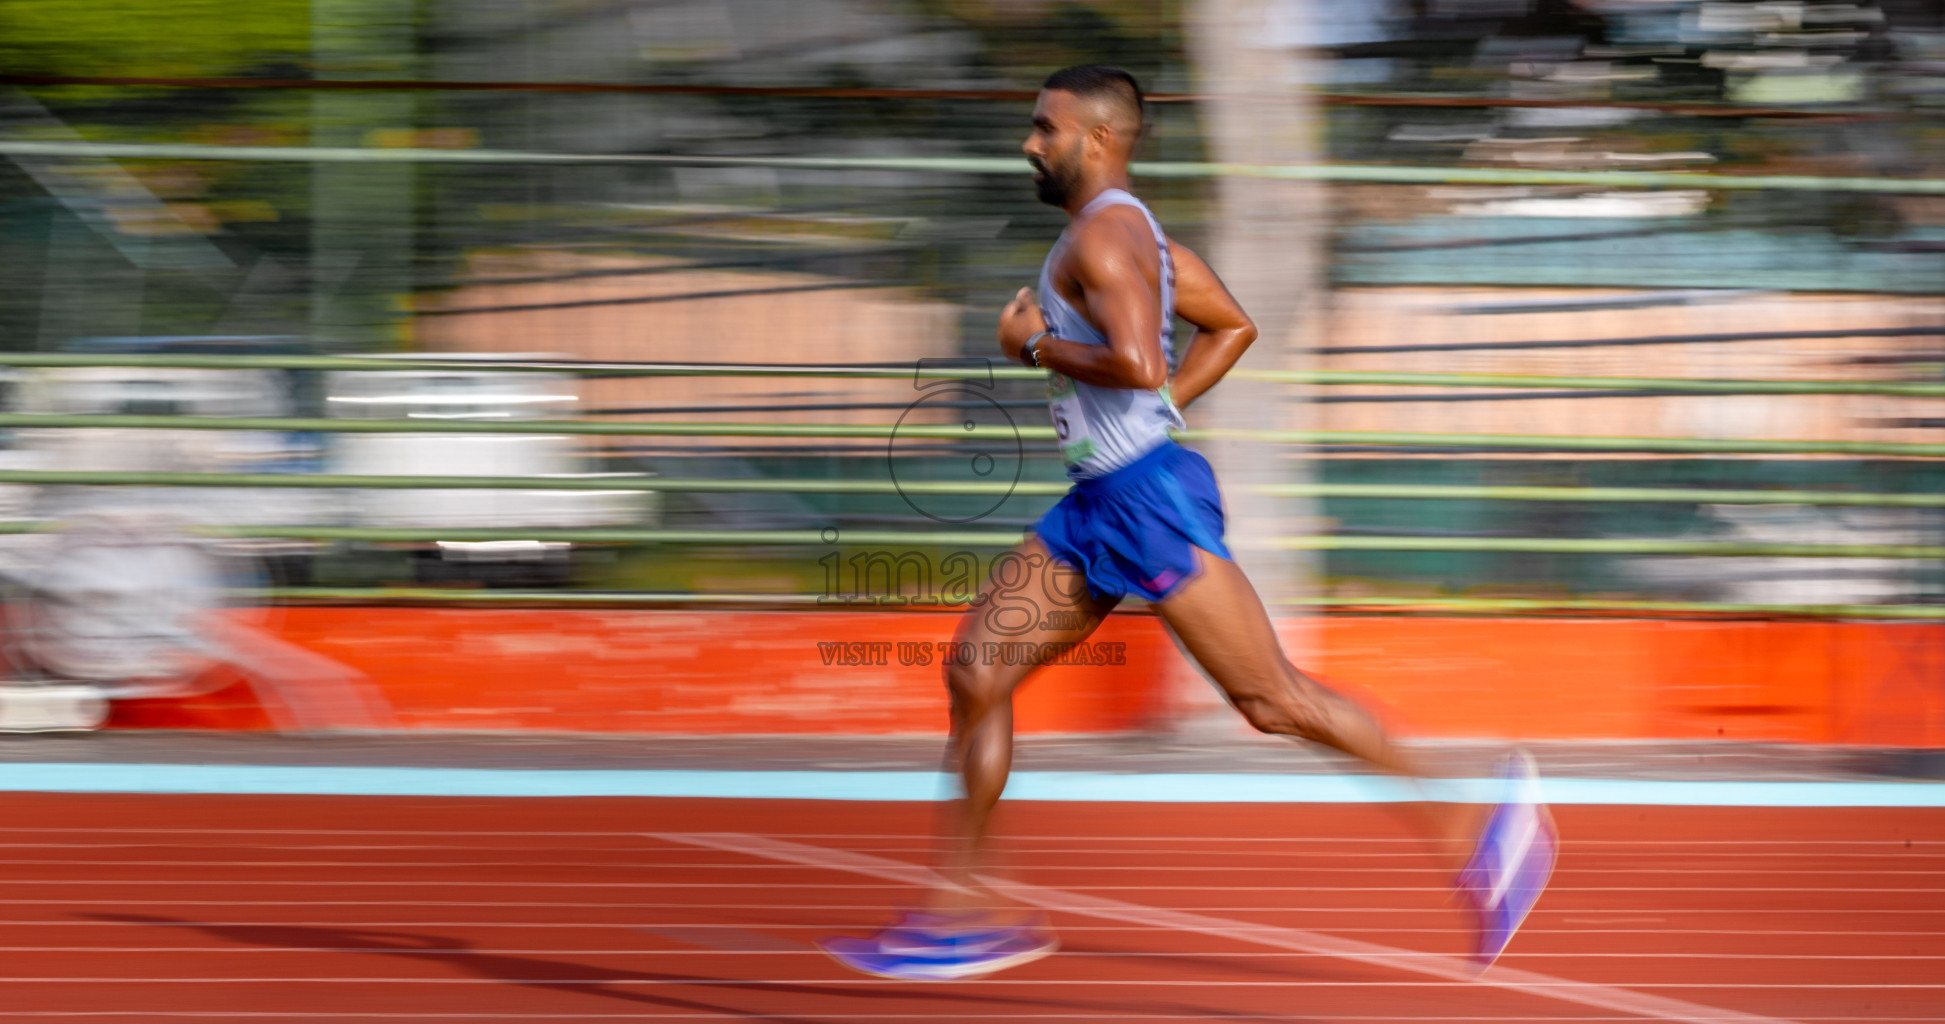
1116, 219
1113, 231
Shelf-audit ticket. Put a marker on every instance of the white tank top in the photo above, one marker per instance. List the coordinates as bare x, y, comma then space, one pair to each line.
1102, 429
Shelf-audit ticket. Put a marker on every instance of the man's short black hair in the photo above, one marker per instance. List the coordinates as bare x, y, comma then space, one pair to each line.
1099, 81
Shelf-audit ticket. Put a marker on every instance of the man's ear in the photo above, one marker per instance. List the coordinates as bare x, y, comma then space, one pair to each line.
1101, 137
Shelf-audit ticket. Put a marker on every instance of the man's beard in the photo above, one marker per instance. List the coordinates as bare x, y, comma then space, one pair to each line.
1057, 182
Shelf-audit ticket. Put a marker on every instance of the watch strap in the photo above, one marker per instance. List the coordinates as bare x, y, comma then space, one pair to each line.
1030, 349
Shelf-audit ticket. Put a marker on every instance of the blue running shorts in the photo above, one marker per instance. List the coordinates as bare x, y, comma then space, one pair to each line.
1134, 530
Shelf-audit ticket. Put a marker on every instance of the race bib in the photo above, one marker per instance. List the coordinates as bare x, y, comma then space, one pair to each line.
1070, 420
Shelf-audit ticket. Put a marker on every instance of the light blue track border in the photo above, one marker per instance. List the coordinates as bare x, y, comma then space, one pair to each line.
924, 786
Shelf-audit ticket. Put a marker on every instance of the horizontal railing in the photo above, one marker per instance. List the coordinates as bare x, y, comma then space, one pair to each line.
1389, 605
973, 371
623, 484
887, 432
1014, 165
868, 93
989, 539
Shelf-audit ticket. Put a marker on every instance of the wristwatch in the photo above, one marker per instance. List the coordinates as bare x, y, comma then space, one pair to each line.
1028, 354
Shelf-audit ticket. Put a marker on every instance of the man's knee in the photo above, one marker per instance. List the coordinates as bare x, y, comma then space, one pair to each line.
977, 685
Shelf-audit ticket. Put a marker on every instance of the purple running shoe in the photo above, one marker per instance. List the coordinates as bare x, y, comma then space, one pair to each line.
1510, 866
939, 947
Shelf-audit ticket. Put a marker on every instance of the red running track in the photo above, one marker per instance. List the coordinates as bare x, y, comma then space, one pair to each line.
139, 908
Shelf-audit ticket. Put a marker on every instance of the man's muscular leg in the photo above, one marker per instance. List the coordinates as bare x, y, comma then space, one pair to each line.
1028, 599
1219, 618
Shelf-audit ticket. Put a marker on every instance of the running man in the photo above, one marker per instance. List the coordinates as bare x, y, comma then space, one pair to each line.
1144, 517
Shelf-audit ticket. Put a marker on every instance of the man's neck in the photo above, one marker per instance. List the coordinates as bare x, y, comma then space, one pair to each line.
1092, 190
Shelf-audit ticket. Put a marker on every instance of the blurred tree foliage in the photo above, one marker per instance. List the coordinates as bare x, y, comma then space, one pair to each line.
151, 38
48, 259
1025, 42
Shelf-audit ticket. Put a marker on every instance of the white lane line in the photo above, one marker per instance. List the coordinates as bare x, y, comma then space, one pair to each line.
1582, 867
632, 926
151, 883
746, 1015
1349, 843
674, 932
795, 1016
644, 865
513, 869
1580, 849
1150, 847
1570, 991
1449, 969
876, 786
609, 905
742, 1015
792, 1017
584, 925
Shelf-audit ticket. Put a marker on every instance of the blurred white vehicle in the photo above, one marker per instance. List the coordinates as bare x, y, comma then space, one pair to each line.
473, 395
114, 390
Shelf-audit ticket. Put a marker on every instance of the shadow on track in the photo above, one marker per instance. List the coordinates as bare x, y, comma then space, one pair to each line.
562, 976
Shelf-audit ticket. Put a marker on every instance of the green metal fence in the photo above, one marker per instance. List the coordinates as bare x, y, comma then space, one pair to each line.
994, 539
1930, 494
1388, 175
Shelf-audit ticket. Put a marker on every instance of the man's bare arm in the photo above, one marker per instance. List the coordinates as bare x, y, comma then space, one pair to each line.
1222, 330
1122, 301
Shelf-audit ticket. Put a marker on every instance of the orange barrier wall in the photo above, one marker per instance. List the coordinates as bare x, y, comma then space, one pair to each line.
697, 673
729, 672
1796, 681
